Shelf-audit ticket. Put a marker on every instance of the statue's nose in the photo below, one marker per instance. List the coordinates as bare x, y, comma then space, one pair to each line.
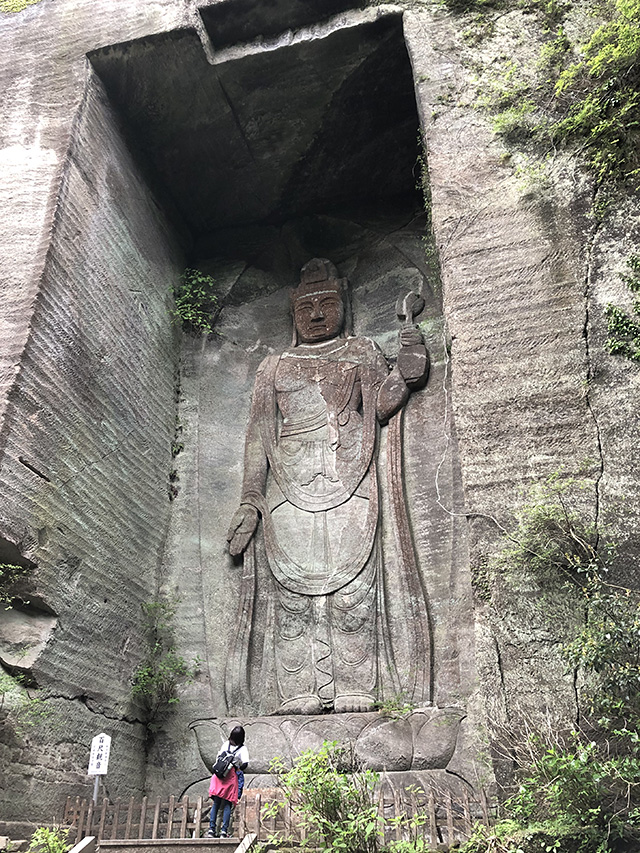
317, 313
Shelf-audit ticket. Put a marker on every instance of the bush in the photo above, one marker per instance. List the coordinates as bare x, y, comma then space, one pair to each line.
336, 806
18, 706
601, 95
45, 840
157, 678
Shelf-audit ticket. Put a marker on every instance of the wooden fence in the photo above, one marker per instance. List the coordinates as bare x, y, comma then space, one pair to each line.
436, 816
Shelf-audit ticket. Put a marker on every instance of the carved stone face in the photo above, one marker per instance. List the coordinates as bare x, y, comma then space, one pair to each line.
318, 316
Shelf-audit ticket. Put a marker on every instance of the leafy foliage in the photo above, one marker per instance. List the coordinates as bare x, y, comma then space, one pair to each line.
195, 302
552, 539
623, 331
396, 707
587, 96
157, 679
16, 5
601, 95
45, 840
9, 575
336, 806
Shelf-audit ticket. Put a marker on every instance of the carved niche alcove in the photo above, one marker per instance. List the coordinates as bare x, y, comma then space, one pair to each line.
301, 141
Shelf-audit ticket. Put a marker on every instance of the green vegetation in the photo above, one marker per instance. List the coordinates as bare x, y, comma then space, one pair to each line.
337, 808
196, 305
16, 5
157, 679
576, 791
624, 331
45, 840
18, 707
600, 95
582, 95
395, 707
337, 804
9, 575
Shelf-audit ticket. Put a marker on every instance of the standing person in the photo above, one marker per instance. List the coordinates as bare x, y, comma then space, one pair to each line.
224, 792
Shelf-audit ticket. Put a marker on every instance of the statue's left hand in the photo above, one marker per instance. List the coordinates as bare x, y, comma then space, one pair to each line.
243, 526
413, 358
410, 336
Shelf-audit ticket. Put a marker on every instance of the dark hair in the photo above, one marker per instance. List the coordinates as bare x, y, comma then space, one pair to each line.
237, 736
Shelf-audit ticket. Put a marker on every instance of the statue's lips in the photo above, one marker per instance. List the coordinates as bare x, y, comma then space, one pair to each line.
319, 333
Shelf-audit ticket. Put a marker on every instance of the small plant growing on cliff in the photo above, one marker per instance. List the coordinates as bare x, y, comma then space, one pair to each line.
157, 679
9, 575
19, 708
623, 330
196, 306
395, 707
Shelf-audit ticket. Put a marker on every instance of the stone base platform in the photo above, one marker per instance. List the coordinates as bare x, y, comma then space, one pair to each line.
425, 739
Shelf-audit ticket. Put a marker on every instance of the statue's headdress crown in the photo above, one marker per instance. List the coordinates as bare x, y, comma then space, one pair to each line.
316, 276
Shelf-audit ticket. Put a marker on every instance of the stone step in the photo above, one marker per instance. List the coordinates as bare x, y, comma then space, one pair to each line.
167, 845
175, 845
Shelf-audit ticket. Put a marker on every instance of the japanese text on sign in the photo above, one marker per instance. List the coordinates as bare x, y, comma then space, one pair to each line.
99, 758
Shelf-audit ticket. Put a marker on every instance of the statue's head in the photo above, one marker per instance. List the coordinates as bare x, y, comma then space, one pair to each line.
318, 302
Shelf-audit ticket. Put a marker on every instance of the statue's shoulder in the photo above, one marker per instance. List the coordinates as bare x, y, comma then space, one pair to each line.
268, 364
365, 350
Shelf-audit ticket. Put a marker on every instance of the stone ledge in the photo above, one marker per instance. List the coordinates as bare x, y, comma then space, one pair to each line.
423, 740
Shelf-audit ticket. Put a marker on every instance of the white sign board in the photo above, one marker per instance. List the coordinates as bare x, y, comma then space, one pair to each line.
99, 758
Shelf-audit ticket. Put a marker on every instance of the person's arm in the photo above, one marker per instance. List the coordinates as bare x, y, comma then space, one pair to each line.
241, 761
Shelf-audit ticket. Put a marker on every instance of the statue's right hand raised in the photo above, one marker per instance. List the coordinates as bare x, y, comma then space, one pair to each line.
243, 526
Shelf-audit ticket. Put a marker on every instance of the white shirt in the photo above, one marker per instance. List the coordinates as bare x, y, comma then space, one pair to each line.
242, 754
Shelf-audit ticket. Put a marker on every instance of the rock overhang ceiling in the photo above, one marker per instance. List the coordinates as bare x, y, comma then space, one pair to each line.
309, 122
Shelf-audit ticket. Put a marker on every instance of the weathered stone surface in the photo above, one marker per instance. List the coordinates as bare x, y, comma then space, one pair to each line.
533, 390
86, 430
24, 632
326, 120
86, 371
423, 740
614, 388
231, 22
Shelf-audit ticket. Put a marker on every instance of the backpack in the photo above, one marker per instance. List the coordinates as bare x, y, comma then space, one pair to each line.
223, 763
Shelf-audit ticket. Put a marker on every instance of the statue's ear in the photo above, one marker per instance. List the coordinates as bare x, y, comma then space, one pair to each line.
292, 298
347, 326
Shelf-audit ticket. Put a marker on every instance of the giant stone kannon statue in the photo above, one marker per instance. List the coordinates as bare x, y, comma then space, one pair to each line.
315, 634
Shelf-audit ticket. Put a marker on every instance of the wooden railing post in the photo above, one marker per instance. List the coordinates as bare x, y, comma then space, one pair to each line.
185, 816
103, 817
116, 819
197, 817
127, 829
